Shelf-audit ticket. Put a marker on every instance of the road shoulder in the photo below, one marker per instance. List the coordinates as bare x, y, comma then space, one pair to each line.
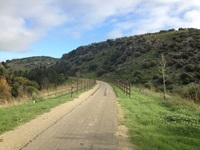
22, 135
122, 132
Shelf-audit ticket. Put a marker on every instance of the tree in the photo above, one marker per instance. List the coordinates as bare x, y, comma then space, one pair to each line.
23, 86
3, 71
162, 69
5, 89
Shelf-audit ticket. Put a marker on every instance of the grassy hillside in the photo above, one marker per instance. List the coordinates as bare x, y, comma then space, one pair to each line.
30, 62
136, 59
25, 77
155, 124
133, 59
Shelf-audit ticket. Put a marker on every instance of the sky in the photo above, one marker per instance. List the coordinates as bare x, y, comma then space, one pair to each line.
54, 27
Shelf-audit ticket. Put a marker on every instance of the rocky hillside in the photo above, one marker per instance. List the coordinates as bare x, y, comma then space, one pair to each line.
30, 63
136, 58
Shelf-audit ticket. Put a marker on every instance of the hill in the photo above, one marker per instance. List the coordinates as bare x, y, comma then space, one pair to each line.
30, 62
136, 58
26, 77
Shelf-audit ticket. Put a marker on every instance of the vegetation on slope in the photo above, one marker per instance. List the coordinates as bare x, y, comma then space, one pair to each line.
133, 59
160, 125
23, 83
30, 63
136, 59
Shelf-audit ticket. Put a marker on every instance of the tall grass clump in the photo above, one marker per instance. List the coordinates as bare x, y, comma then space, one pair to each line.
190, 92
157, 124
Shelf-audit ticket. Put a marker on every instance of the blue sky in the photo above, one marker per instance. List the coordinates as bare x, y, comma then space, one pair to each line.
54, 27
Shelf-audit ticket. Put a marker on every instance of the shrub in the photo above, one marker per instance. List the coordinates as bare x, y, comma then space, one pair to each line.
185, 56
156, 76
191, 92
186, 78
5, 90
101, 72
148, 85
146, 65
92, 67
31, 90
137, 73
137, 54
179, 64
189, 67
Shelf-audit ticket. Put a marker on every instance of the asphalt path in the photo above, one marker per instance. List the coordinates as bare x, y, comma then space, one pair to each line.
91, 125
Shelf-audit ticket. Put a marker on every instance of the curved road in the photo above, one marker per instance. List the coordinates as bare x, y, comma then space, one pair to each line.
88, 125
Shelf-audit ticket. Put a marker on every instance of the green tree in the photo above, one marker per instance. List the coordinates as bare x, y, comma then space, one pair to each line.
23, 86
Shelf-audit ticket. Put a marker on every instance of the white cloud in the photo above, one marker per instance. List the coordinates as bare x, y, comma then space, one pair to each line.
115, 34
191, 18
89, 14
26, 21
155, 15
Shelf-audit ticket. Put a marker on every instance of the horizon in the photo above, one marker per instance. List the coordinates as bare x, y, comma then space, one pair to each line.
53, 28
90, 44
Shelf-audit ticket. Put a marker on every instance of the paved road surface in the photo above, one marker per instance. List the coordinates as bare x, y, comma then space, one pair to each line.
89, 126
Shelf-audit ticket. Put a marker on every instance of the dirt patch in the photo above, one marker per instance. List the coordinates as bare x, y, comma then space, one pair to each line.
122, 132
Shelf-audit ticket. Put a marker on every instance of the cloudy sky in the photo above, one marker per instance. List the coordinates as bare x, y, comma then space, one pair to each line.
54, 27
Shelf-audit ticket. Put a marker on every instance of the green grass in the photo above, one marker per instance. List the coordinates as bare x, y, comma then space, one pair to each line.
12, 117
157, 124
90, 75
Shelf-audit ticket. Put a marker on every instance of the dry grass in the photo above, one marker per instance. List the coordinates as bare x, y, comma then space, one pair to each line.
53, 92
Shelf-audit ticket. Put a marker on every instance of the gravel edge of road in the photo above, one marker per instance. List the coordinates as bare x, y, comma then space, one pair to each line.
22, 135
122, 131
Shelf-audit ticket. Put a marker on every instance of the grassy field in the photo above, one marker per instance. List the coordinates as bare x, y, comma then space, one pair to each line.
13, 116
16, 115
157, 124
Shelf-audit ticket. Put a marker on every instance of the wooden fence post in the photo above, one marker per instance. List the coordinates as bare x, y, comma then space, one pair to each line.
129, 89
81, 86
77, 87
72, 87
125, 87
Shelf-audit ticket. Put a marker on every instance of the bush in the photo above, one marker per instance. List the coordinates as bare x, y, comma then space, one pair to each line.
189, 68
101, 72
148, 85
137, 54
191, 92
31, 90
156, 76
186, 78
147, 65
92, 67
5, 90
179, 64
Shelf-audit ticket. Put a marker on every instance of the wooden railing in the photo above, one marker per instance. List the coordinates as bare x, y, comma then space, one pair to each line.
124, 86
81, 85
